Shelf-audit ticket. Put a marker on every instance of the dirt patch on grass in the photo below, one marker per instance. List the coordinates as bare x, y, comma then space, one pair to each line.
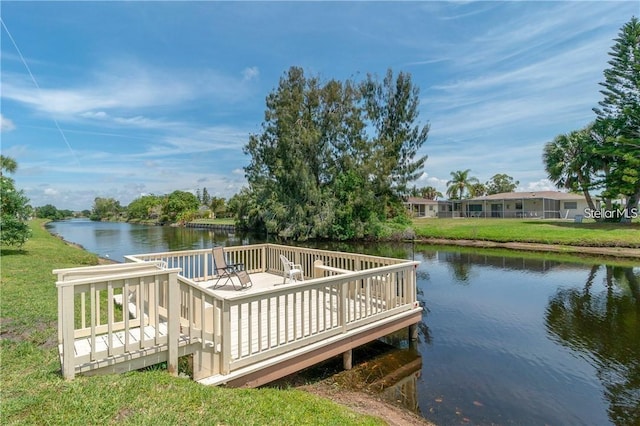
366, 403
382, 383
40, 333
7, 330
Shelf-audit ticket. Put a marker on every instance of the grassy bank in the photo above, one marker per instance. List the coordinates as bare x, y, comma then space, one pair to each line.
225, 221
33, 392
531, 231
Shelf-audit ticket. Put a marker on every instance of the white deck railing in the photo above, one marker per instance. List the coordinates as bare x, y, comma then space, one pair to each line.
198, 265
274, 321
342, 291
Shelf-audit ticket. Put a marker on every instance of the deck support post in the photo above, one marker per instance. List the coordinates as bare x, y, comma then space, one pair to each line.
347, 359
173, 335
413, 332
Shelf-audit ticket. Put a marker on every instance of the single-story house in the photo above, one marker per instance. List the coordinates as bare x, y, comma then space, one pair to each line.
422, 207
539, 204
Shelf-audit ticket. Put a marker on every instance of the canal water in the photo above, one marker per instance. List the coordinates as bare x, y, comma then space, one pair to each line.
505, 339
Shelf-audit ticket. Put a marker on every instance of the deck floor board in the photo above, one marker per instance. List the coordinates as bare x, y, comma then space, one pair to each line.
82, 346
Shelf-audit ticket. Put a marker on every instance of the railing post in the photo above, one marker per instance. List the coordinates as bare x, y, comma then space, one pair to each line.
60, 338
226, 338
173, 313
342, 320
205, 266
317, 272
68, 338
413, 285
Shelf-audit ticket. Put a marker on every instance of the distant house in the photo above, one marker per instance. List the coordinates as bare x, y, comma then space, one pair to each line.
539, 204
422, 207
205, 212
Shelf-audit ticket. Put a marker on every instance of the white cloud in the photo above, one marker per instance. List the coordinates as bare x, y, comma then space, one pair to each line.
250, 73
110, 95
6, 125
539, 185
95, 114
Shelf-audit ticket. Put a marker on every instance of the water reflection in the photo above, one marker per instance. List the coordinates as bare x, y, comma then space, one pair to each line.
462, 263
604, 325
405, 391
485, 341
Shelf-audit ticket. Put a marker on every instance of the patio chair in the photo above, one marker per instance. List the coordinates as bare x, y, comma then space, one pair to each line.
224, 269
291, 270
244, 280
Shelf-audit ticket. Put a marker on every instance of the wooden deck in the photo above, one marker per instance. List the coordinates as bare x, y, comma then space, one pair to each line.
238, 337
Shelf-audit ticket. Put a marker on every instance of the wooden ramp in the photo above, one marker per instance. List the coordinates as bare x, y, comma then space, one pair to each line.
106, 354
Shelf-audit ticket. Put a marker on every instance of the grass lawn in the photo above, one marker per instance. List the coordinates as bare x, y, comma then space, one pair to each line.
33, 391
224, 221
531, 231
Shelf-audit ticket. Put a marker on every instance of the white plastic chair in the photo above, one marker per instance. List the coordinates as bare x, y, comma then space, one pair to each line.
291, 270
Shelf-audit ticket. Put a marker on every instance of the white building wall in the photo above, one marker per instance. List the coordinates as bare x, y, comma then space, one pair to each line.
570, 213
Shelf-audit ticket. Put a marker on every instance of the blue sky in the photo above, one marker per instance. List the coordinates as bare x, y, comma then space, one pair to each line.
122, 99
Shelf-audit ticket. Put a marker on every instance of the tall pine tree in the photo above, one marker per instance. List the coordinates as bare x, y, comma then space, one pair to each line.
619, 111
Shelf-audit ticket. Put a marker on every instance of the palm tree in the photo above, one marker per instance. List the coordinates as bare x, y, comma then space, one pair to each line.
430, 193
477, 190
460, 184
7, 164
569, 161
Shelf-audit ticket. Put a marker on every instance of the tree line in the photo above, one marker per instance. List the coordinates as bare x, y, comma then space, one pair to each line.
605, 155
462, 185
178, 206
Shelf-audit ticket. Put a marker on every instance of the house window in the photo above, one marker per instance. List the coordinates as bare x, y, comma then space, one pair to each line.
568, 205
430, 208
518, 205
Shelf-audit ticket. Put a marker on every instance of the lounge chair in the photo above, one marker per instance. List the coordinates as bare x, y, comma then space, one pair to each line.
226, 270
244, 280
291, 270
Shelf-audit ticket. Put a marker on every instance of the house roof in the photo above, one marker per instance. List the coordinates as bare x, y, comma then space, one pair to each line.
553, 195
420, 200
